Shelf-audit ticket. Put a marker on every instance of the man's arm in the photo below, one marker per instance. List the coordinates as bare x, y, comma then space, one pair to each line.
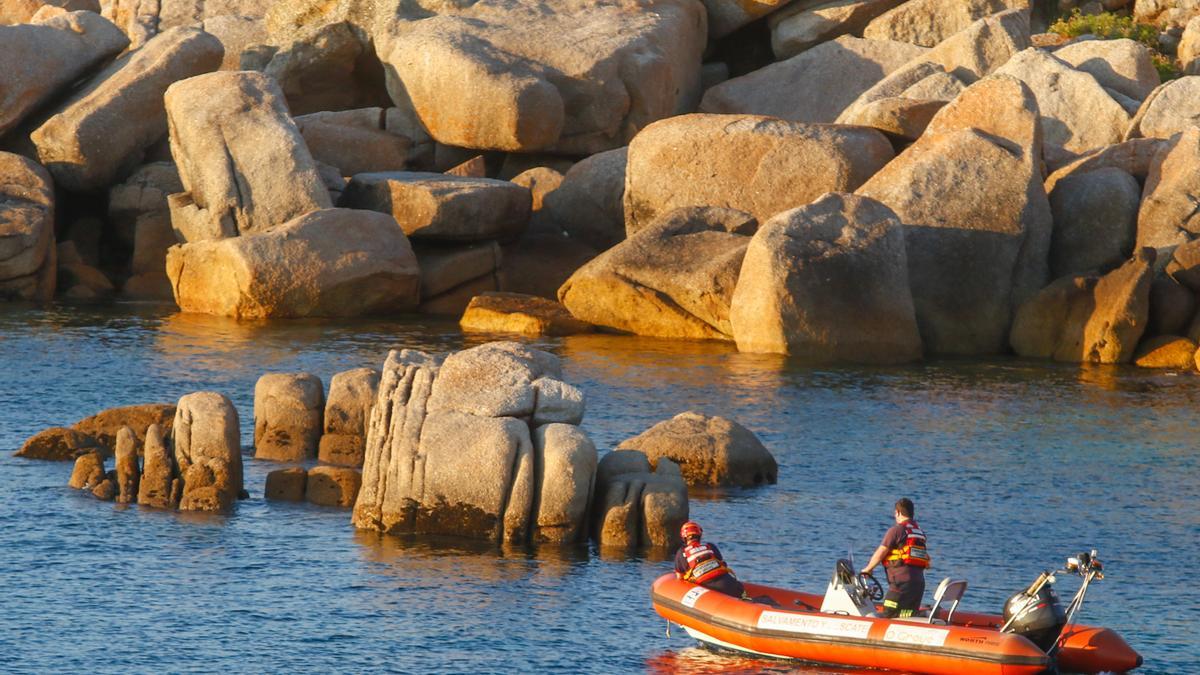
876, 559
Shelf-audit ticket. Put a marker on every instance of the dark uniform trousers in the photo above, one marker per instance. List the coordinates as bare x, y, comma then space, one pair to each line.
906, 587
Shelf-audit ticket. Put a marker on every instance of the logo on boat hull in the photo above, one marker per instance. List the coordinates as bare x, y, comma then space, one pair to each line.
690, 598
916, 635
814, 625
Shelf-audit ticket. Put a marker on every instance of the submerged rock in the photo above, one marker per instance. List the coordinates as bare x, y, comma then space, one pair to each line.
710, 450
567, 463
332, 486
106, 424
159, 486
286, 485
57, 444
128, 471
88, 471
106, 490
518, 313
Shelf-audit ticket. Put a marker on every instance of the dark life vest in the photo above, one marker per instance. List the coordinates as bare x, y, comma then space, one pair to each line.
703, 565
912, 552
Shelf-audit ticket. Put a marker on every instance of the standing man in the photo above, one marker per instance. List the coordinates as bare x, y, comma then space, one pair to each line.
904, 555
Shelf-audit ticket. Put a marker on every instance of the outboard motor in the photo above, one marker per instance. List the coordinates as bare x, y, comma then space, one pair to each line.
1036, 613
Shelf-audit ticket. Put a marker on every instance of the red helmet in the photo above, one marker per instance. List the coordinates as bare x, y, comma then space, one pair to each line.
690, 529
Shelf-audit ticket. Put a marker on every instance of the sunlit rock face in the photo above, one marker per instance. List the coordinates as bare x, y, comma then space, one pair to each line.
483, 445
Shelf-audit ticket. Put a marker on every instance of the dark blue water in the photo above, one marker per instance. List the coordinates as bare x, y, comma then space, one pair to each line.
1013, 465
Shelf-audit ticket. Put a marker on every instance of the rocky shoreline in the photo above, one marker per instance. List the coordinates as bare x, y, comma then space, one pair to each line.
873, 181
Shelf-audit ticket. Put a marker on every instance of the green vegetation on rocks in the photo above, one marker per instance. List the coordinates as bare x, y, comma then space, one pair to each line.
1110, 26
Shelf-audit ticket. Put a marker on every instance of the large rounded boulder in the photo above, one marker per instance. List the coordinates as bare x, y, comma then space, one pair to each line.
576, 77
104, 130
1088, 318
828, 281
483, 445
674, 279
710, 450
243, 163
46, 56
333, 262
760, 165
977, 221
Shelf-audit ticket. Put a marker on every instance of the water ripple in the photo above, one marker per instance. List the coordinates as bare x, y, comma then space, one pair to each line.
1012, 464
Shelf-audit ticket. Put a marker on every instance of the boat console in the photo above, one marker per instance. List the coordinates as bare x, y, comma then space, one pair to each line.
850, 593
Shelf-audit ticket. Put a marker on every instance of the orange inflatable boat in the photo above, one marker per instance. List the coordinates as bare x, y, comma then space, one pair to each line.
838, 628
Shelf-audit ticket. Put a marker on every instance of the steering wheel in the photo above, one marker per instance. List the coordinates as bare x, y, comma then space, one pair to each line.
869, 585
